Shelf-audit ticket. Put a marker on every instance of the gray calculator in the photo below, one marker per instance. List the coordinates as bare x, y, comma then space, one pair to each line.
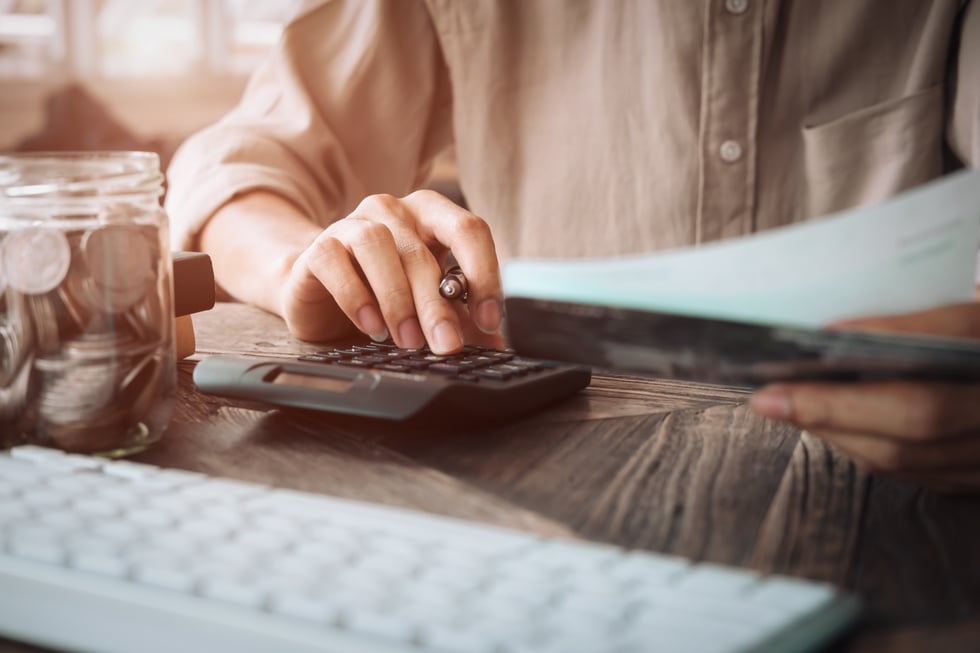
380, 380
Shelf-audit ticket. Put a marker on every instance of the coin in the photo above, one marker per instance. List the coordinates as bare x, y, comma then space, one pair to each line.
119, 346
46, 334
16, 334
10, 350
109, 300
14, 400
78, 314
35, 259
76, 392
3, 275
119, 261
117, 256
140, 388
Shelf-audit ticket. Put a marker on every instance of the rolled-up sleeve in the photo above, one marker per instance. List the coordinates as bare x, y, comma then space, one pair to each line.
964, 126
354, 100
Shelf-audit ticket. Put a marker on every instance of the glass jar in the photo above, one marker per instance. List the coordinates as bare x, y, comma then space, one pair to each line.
87, 360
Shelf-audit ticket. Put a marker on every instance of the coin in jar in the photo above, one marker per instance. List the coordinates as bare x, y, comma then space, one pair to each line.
3, 275
35, 259
47, 335
119, 261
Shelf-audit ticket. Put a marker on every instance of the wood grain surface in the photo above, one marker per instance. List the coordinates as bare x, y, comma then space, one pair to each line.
667, 466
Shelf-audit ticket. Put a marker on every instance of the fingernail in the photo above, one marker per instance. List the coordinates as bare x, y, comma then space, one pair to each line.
446, 337
774, 403
488, 315
410, 334
369, 321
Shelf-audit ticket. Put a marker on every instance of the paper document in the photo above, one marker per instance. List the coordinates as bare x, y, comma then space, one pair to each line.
915, 251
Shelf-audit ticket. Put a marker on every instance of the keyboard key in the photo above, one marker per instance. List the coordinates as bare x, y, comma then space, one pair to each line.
441, 638
95, 507
233, 591
791, 594
169, 575
62, 519
318, 609
719, 582
104, 563
379, 624
20, 470
36, 542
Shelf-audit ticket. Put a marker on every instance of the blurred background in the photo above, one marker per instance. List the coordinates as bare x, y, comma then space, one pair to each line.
134, 74
126, 74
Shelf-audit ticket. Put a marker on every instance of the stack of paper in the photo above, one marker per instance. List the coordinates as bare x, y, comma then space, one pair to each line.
915, 251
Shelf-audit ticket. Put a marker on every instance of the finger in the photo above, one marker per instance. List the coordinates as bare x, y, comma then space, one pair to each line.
417, 312
309, 309
947, 479
439, 318
473, 335
898, 409
328, 264
471, 242
957, 320
892, 456
372, 245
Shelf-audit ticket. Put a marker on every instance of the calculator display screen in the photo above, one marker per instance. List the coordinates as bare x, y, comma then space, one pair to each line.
327, 383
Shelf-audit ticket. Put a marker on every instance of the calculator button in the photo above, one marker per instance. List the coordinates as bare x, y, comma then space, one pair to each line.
317, 358
354, 362
445, 368
393, 367
490, 373
374, 359
531, 366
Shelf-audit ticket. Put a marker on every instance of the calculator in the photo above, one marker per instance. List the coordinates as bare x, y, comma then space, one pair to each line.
381, 380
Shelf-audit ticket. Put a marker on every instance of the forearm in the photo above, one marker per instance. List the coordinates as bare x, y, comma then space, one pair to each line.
253, 242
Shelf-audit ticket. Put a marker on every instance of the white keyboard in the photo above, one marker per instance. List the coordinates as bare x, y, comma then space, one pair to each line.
100, 555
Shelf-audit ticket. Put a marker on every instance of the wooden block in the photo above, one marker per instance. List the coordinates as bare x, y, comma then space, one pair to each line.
184, 334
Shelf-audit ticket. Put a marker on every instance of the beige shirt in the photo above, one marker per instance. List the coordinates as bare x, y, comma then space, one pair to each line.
600, 127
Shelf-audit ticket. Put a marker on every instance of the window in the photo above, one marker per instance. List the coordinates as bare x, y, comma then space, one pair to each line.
160, 68
122, 38
28, 38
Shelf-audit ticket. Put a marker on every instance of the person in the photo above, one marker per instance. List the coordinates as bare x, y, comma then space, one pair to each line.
582, 129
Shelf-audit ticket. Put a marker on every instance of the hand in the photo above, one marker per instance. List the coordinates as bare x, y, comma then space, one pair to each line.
928, 433
381, 266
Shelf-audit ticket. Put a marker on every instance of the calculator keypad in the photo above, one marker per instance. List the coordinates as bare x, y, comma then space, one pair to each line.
472, 364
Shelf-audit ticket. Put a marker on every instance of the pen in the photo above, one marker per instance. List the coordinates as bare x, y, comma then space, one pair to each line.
453, 284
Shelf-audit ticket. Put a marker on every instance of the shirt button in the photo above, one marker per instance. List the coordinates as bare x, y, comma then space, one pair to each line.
736, 6
730, 151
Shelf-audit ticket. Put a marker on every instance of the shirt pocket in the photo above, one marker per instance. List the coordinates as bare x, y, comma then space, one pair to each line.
873, 153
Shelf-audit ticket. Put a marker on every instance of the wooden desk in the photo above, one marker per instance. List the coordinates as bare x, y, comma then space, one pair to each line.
666, 466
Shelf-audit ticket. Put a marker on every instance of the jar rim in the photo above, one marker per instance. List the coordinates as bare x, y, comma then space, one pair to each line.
32, 176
